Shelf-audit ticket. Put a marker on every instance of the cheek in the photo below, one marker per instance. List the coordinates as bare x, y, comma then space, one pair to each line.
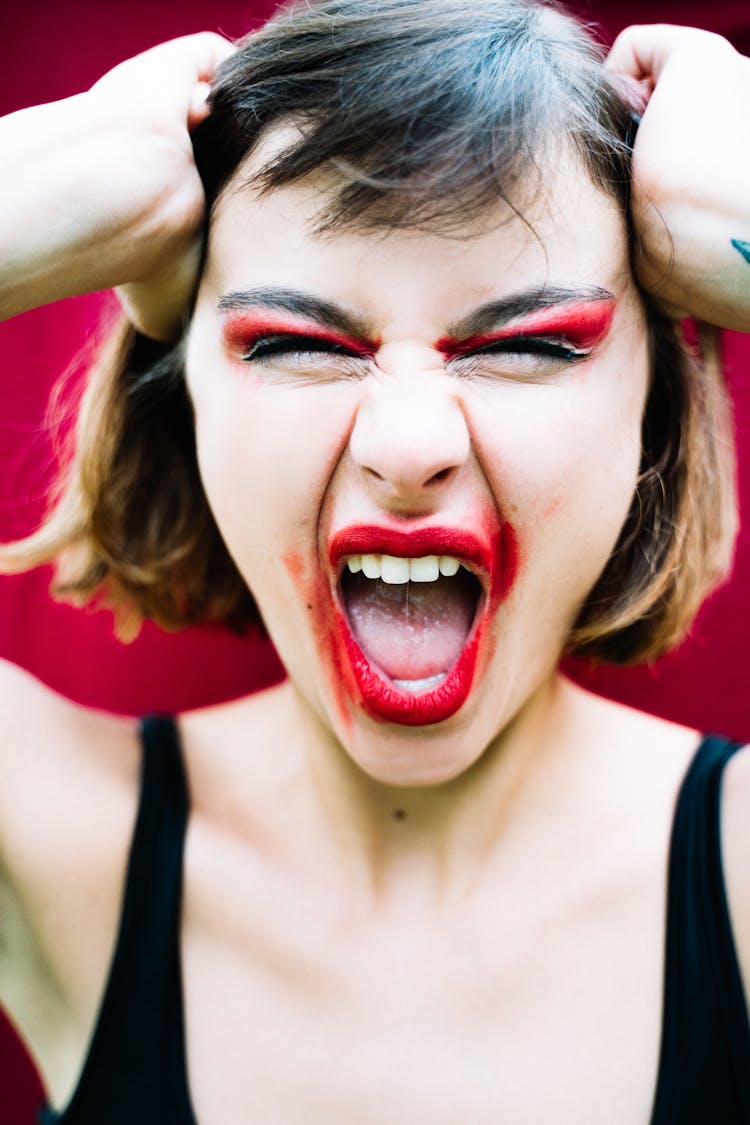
565, 470
266, 455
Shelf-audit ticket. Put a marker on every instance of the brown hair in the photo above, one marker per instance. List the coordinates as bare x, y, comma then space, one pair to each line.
428, 111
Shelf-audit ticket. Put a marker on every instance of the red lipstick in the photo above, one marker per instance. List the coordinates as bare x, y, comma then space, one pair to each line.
371, 540
493, 562
582, 323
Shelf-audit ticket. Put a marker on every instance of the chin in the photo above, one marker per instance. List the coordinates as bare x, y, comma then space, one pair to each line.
407, 756
401, 760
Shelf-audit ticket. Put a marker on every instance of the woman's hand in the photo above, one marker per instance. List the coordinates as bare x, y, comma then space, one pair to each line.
101, 189
691, 171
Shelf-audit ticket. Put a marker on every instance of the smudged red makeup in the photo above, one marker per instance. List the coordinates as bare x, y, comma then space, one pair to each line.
242, 329
583, 324
482, 552
492, 557
315, 592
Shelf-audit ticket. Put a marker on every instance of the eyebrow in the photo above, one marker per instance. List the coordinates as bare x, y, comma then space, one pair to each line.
491, 315
496, 313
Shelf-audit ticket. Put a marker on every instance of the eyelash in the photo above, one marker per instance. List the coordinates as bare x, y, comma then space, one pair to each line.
530, 345
268, 347
265, 347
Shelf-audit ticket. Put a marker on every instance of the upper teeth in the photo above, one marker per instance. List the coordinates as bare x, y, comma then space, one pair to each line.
396, 570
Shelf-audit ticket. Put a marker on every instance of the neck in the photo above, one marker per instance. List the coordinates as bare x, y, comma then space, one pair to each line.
432, 842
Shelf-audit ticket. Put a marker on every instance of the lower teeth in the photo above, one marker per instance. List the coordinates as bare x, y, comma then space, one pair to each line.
421, 685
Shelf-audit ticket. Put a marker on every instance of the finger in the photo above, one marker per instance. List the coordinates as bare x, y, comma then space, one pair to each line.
211, 51
635, 92
197, 56
198, 108
641, 51
207, 52
180, 63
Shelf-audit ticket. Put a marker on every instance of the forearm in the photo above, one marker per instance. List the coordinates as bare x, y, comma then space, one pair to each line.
78, 215
708, 276
100, 190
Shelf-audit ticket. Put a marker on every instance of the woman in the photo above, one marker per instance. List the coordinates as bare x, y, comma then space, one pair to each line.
443, 436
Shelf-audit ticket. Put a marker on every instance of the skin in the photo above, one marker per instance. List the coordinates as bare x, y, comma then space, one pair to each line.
408, 440
691, 165
124, 180
367, 911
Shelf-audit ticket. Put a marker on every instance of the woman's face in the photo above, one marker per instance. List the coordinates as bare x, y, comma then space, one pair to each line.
420, 450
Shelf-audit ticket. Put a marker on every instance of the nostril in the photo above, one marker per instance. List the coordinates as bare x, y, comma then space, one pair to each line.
440, 476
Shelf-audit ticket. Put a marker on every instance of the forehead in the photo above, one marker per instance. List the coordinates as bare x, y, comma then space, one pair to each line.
566, 232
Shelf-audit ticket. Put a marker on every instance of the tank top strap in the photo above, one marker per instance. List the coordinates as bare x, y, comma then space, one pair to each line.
704, 1069
136, 1067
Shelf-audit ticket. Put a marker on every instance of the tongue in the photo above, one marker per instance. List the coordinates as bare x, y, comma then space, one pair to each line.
411, 631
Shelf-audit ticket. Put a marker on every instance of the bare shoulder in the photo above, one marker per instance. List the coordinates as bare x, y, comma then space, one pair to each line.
68, 797
51, 752
648, 748
735, 833
231, 746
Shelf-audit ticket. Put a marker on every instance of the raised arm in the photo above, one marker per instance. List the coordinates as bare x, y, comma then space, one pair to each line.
100, 189
691, 171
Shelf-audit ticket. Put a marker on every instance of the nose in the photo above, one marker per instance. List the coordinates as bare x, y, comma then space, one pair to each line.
410, 439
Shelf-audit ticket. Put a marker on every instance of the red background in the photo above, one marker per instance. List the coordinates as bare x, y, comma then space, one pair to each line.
48, 51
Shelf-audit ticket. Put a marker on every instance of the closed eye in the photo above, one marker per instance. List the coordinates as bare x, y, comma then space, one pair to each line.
532, 346
522, 358
267, 347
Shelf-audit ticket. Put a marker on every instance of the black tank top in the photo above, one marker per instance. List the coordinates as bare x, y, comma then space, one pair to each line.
136, 1074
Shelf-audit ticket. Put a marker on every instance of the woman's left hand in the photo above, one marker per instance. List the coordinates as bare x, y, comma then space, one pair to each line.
691, 171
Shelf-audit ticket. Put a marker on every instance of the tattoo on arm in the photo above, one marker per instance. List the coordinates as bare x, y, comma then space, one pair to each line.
743, 247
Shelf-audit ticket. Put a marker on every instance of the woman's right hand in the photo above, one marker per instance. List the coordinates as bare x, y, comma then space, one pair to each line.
101, 190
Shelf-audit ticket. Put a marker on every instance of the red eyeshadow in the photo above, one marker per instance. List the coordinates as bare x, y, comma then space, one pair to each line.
242, 329
583, 323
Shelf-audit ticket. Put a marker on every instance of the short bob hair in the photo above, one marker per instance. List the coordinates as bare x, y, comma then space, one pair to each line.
427, 112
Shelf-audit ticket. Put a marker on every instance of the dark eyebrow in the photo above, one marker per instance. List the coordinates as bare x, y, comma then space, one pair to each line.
496, 313
299, 303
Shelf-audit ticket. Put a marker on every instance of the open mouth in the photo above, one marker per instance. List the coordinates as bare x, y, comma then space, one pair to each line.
408, 616
410, 627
